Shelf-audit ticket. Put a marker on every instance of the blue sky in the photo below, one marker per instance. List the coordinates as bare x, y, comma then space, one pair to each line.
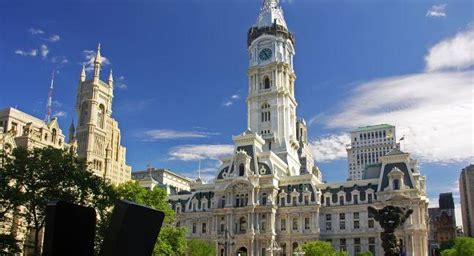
180, 71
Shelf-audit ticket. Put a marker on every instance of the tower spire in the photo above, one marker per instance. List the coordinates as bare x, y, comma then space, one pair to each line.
72, 132
111, 78
97, 64
50, 100
270, 13
83, 73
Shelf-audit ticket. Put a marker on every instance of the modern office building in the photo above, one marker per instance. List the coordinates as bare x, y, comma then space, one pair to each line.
368, 144
466, 189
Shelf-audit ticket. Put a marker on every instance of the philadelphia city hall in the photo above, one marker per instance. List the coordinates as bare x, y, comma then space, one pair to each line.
269, 198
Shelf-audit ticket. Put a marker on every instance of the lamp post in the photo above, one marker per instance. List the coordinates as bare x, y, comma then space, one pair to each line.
226, 241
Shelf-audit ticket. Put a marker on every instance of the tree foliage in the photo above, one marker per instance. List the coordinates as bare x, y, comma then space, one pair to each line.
364, 254
198, 247
171, 240
462, 246
42, 175
320, 248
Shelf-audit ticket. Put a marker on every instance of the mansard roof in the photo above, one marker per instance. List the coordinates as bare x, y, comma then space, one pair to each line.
372, 171
395, 151
402, 166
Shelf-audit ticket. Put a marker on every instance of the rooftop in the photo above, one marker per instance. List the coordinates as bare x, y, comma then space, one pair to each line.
373, 127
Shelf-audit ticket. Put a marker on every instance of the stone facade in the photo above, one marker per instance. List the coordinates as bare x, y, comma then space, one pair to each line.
97, 133
19, 129
31, 132
172, 182
269, 196
442, 221
466, 190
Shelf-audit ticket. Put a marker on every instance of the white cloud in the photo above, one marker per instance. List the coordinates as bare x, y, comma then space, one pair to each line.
331, 147
121, 83
57, 103
44, 51
197, 152
54, 38
32, 52
207, 174
60, 114
166, 134
89, 57
437, 11
232, 99
59, 59
227, 103
35, 31
452, 53
432, 110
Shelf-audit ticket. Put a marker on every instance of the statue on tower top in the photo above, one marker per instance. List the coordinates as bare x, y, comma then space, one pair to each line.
270, 13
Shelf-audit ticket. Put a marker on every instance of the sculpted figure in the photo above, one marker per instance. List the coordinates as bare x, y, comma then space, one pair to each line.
390, 218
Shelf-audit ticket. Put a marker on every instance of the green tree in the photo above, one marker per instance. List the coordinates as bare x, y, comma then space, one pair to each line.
42, 175
171, 240
320, 248
364, 254
198, 247
462, 246
9, 245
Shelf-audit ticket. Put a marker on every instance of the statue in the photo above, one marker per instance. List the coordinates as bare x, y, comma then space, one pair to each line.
390, 217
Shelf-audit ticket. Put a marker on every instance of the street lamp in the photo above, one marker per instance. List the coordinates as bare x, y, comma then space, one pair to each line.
226, 241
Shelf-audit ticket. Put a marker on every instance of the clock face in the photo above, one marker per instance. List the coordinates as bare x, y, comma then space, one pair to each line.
265, 54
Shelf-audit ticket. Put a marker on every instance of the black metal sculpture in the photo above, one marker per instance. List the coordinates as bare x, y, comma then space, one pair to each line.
390, 217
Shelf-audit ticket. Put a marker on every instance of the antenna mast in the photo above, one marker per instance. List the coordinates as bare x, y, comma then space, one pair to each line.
50, 100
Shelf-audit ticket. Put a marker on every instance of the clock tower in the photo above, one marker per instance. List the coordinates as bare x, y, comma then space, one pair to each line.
271, 101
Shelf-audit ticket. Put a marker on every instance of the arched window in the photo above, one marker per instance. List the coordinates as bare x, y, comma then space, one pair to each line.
100, 116
84, 113
396, 184
242, 224
283, 249
295, 246
55, 134
264, 199
266, 83
241, 170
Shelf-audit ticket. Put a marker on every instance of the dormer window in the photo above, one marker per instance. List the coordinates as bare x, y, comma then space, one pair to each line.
396, 184
241, 170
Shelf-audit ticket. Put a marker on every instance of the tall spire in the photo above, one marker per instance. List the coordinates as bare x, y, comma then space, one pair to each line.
97, 63
111, 78
72, 132
83, 73
270, 13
